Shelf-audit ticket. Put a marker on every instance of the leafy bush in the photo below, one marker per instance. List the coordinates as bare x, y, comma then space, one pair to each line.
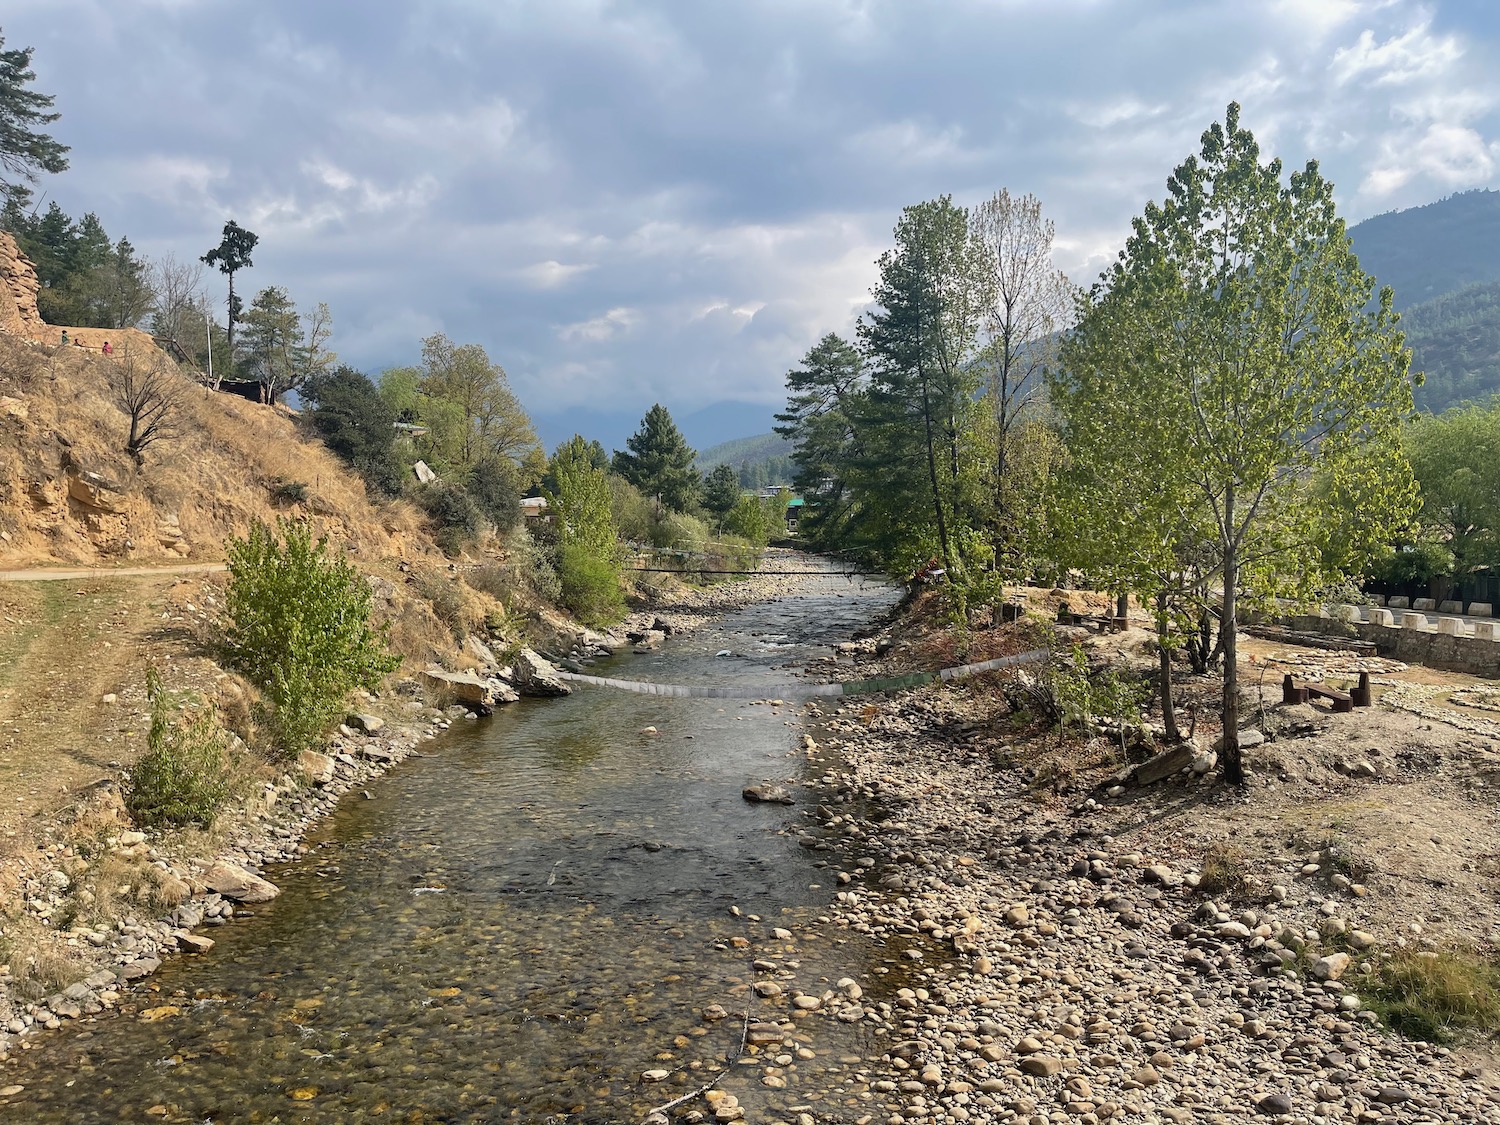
494, 486
183, 777
590, 585
288, 491
453, 511
298, 624
630, 510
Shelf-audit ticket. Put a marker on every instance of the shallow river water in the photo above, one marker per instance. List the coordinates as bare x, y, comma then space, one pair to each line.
525, 918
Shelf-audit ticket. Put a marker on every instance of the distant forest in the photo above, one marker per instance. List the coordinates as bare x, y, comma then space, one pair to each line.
762, 460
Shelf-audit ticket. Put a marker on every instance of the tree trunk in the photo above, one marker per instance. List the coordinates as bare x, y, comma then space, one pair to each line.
1234, 770
932, 471
229, 322
1168, 707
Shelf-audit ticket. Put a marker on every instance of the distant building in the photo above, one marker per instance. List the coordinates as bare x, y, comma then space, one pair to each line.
533, 507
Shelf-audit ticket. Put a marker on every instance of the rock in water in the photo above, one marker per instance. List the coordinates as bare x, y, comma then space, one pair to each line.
238, 885
535, 676
766, 794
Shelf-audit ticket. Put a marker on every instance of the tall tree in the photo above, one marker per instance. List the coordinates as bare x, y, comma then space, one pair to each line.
465, 401
659, 461
921, 341
231, 255
176, 313
1234, 346
25, 151
356, 423
580, 504
721, 492
1456, 459
824, 397
1031, 302
280, 346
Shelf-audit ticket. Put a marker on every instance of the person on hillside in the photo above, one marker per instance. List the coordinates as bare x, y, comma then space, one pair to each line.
65, 338
108, 350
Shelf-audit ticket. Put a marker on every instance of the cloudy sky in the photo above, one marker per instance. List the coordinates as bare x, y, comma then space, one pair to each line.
670, 200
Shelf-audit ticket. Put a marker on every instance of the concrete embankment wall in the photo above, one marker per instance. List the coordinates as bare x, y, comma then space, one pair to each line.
1479, 656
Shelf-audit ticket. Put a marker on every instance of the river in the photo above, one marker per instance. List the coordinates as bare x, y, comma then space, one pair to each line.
520, 922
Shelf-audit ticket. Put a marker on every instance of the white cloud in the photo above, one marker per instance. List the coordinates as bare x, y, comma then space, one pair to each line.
1414, 54
601, 328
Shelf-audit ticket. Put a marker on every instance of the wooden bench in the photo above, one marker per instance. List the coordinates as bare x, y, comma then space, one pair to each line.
1343, 701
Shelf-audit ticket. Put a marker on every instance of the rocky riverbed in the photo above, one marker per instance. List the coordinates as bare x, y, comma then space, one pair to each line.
1056, 973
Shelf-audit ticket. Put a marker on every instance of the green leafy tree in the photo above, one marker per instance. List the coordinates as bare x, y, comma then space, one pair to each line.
659, 461
465, 401
1456, 460
1234, 346
231, 255
356, 423
721, 492
281, 347
587, 558
25, 150
297, 622
184, 775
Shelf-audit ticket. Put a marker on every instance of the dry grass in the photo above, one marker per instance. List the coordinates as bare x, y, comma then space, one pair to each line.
39, 963
1225, 873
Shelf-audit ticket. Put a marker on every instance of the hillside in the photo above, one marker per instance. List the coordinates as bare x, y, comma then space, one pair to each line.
1443, 262
751, 450
1426, 252
1455, 340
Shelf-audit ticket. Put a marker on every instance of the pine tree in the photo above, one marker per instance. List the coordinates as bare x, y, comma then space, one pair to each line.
659, 461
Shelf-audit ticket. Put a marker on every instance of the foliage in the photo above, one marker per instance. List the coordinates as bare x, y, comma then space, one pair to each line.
298, 624
356, 423
587, 564
465, 402
1081, 698
1438, 995
721, 492
24, 149
183, 777
495, 486
282, 348
659, 461
630, 511
590, 584
231, 255
1456, 460
1263, 395
85, 279
913, 464
452, 510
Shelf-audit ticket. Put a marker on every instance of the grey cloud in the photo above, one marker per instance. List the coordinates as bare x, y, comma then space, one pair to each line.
637, 200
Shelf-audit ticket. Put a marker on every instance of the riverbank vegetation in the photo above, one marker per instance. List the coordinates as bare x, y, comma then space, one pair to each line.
1216, 421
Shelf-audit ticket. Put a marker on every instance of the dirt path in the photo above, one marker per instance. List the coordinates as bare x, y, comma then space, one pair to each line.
64, 647
56, 574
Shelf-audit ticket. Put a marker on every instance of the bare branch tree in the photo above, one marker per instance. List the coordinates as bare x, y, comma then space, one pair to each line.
177, 303
150, 397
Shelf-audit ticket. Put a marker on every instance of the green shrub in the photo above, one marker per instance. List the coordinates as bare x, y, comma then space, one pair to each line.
288, 491
298, 624
453, 511
590, 585
1437, 996
183, 777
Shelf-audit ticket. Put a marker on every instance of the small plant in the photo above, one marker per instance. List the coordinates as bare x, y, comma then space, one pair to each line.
590, 585
298, 624
1437, 996
1225, 873
1068, 695
288, 492
183, 777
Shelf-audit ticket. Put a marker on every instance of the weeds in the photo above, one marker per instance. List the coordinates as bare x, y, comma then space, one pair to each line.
1225, 873
1438, 996
183, 777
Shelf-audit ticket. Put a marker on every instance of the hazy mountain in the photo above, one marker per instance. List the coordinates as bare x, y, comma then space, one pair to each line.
1443, 261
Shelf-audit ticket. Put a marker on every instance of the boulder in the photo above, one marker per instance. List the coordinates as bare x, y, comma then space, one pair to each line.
366, 724
766, 794
317, 768
239, 885
478, 692
535, 676
90, 490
